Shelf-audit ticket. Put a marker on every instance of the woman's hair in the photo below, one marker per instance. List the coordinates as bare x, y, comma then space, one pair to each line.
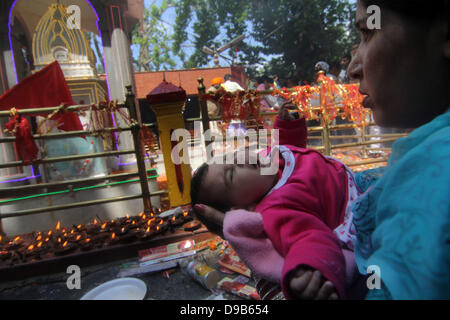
418, 10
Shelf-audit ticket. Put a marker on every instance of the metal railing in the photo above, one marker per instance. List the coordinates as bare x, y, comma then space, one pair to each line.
90, 182
327, 147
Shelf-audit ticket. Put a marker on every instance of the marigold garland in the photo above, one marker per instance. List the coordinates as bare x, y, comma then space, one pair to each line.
334, 99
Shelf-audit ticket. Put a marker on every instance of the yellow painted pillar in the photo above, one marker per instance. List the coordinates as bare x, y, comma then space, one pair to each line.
167, 102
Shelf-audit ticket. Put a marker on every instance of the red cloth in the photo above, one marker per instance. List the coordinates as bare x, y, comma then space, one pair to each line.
24, 139
45, 88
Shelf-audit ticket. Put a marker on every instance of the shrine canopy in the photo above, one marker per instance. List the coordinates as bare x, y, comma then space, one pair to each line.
166, 92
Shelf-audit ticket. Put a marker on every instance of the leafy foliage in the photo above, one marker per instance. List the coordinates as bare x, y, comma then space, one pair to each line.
214, 23
303, 32
154, 40
291, 34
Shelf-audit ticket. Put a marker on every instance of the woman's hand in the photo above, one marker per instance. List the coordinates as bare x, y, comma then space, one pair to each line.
284, 113
308, 284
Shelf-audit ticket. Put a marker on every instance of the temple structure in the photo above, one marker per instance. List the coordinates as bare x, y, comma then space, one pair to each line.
35, 33
55, 38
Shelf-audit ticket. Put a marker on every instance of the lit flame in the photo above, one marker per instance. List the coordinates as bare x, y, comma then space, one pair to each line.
39, 244
141, 214
104, 225
134, 222
59, 239
39, 238
50, 233
173, 219
46, 239
157, 228
65, 235
79, 226
127, 215
113, 236
16, 239
123, 229
1, 238
185, 213
95, 221
148, 229
161, 222
78, 237
72, 231
87, 240
64, 244
31, 247
144, 216
58, 226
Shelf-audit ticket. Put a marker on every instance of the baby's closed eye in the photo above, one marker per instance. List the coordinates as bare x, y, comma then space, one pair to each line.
229, 175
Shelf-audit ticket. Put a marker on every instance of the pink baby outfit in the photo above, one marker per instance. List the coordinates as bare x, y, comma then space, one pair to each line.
293, 225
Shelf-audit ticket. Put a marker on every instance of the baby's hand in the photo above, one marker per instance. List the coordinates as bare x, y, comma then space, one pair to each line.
284, 113
308, 284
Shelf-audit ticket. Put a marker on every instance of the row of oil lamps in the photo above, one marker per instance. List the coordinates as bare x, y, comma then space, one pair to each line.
61, 241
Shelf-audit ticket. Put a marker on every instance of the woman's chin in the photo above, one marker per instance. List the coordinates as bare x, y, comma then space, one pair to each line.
382, 119
383, 122
386, 121
379, 118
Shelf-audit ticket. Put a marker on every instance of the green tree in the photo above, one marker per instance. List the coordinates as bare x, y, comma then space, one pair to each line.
302, 32
153, 39
294, 33
284, 35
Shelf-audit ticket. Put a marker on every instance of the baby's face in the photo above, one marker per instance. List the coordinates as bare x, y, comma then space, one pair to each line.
235, 185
